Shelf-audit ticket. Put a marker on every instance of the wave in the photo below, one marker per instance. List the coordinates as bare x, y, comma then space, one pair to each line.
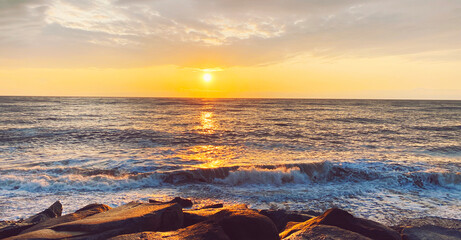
379, 174
439, 128
446, 150
358, 120
317, 172
80, 183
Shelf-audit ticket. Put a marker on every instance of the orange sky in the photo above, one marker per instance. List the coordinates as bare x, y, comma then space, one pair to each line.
290, 49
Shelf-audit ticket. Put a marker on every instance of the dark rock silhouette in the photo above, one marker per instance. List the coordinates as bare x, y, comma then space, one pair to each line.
201, 231
15, 228
245, 224
231, 223
84, 212
130, 218
183, 202
342, 219
218, 205
282, 217
53, 211
325, 232
430, 228
158, 220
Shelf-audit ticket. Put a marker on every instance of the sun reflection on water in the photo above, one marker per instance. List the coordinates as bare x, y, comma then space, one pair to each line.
207, 122
210, 156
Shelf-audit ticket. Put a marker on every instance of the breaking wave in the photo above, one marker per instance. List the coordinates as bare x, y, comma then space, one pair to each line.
305, 173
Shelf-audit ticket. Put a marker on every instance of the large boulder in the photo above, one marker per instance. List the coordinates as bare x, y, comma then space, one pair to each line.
194, 216
235, 222
325, 232
13, 228
200, 231
183, 202
53, 211
84, 212
342, 219
130, 218
282, 217
245, 224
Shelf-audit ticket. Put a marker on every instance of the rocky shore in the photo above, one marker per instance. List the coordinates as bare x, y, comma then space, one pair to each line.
178, 219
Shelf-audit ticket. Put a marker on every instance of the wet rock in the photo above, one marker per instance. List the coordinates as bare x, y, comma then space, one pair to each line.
245, 224
429, 232
325, 232
84, 212
53, 211
201, 231
183, 202
430, 228
282, 217
130, 218
435, 221
15, 228
342, 219
218, 205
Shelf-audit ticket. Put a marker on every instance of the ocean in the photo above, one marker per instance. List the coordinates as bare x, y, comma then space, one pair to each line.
380, 159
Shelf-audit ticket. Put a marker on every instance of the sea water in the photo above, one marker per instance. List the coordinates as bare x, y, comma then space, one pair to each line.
381, 159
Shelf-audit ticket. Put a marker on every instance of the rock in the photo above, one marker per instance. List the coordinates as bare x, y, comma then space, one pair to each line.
435, 221
183, 202
201, 231
311, 212
430, 228
291, 225
53, 211
232, 223
429, 232
245, 224
342, 219
207, 212
192, 217
15, 228
325, 232
84, 212
282, 217
218, 205
291, 228
129, 218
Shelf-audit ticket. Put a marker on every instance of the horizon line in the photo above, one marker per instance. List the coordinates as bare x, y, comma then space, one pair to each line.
281, 98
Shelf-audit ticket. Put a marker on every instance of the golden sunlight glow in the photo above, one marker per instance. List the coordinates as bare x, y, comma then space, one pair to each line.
207, 77
207, 123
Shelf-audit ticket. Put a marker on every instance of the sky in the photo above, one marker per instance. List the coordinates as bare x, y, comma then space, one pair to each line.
390, 49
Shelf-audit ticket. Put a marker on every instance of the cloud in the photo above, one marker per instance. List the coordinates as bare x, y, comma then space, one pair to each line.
211, 33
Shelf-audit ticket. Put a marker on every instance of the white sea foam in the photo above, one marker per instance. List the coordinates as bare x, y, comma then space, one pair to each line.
253, 175
73, 182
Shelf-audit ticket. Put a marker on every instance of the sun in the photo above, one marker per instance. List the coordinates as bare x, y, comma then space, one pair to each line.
207, 77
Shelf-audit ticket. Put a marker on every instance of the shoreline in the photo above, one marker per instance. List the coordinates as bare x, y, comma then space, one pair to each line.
181, 219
